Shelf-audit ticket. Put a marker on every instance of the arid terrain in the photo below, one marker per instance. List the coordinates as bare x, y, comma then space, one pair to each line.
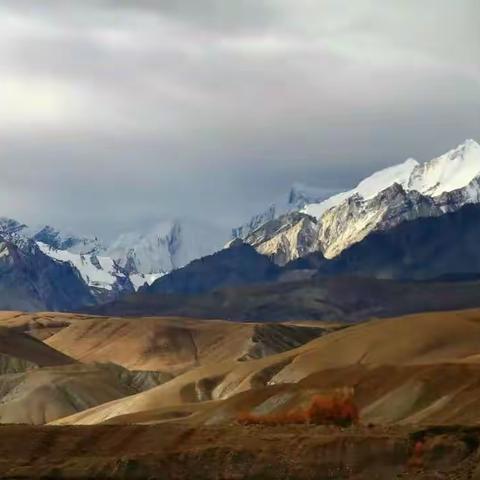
178, 451
163, 397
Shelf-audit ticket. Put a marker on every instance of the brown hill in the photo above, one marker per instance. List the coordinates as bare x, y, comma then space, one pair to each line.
416, 368
26, 348
40, 325
175, 344
39, 384
45, 394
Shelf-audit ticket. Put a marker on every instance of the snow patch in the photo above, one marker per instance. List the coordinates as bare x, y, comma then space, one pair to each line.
96, 271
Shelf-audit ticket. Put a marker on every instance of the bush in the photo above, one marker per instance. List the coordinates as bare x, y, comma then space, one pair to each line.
337, 410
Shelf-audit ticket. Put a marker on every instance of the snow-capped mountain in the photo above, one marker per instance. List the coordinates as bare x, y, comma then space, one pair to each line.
60, 240
307, 220
381, 201
166, 246
131, 261
299, 196
31, 280
105, 279
102, 275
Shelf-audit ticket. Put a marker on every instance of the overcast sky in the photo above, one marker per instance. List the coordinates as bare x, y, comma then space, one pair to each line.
117, 113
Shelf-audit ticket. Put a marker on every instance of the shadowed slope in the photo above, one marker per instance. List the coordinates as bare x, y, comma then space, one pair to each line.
337, 299
425, 248
25, 347
45, 394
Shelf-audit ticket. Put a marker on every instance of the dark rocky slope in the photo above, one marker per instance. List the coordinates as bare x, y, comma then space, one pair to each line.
31, 280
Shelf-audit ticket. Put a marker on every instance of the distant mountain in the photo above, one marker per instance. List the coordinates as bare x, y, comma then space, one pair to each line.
385, 199
308, 227
299, 196
66, 241
57, 239
239, 283
239, 264
101, 274
166, 246
144, 254
424, 248
31, 280
132, 261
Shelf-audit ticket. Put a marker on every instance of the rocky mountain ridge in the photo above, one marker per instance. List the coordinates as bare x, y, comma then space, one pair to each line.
308, 221
381, 201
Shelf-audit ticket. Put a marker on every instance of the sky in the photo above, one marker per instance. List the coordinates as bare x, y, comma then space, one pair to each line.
115, 114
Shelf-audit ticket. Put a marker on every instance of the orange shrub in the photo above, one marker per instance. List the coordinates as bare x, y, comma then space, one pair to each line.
323, 410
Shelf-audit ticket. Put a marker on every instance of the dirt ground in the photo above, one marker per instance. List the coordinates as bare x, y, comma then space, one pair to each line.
178, 451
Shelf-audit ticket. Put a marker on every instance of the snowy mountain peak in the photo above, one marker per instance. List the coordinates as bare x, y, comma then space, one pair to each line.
10, 226
382, 179
166, 245
380, 201
369, 187
66, 240
451, 171
467, 145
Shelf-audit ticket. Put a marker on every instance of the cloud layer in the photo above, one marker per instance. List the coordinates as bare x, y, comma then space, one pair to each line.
114, 114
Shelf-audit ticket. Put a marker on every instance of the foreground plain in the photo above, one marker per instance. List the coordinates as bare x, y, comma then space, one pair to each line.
234, 452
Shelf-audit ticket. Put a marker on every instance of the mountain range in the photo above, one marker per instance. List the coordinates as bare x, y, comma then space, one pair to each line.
379, 202
308, 231
108, 271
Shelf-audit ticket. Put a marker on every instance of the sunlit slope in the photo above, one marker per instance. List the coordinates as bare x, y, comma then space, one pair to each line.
175, 344
402, 369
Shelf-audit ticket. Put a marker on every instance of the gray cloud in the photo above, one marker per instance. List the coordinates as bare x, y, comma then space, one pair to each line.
118, 113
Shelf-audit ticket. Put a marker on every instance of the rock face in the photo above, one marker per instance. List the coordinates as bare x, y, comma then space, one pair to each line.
285, 238
355, 218
31, 280
385, 199
423, 248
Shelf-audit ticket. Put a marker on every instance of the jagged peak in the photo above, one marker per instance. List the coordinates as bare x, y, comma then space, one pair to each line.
10, 226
